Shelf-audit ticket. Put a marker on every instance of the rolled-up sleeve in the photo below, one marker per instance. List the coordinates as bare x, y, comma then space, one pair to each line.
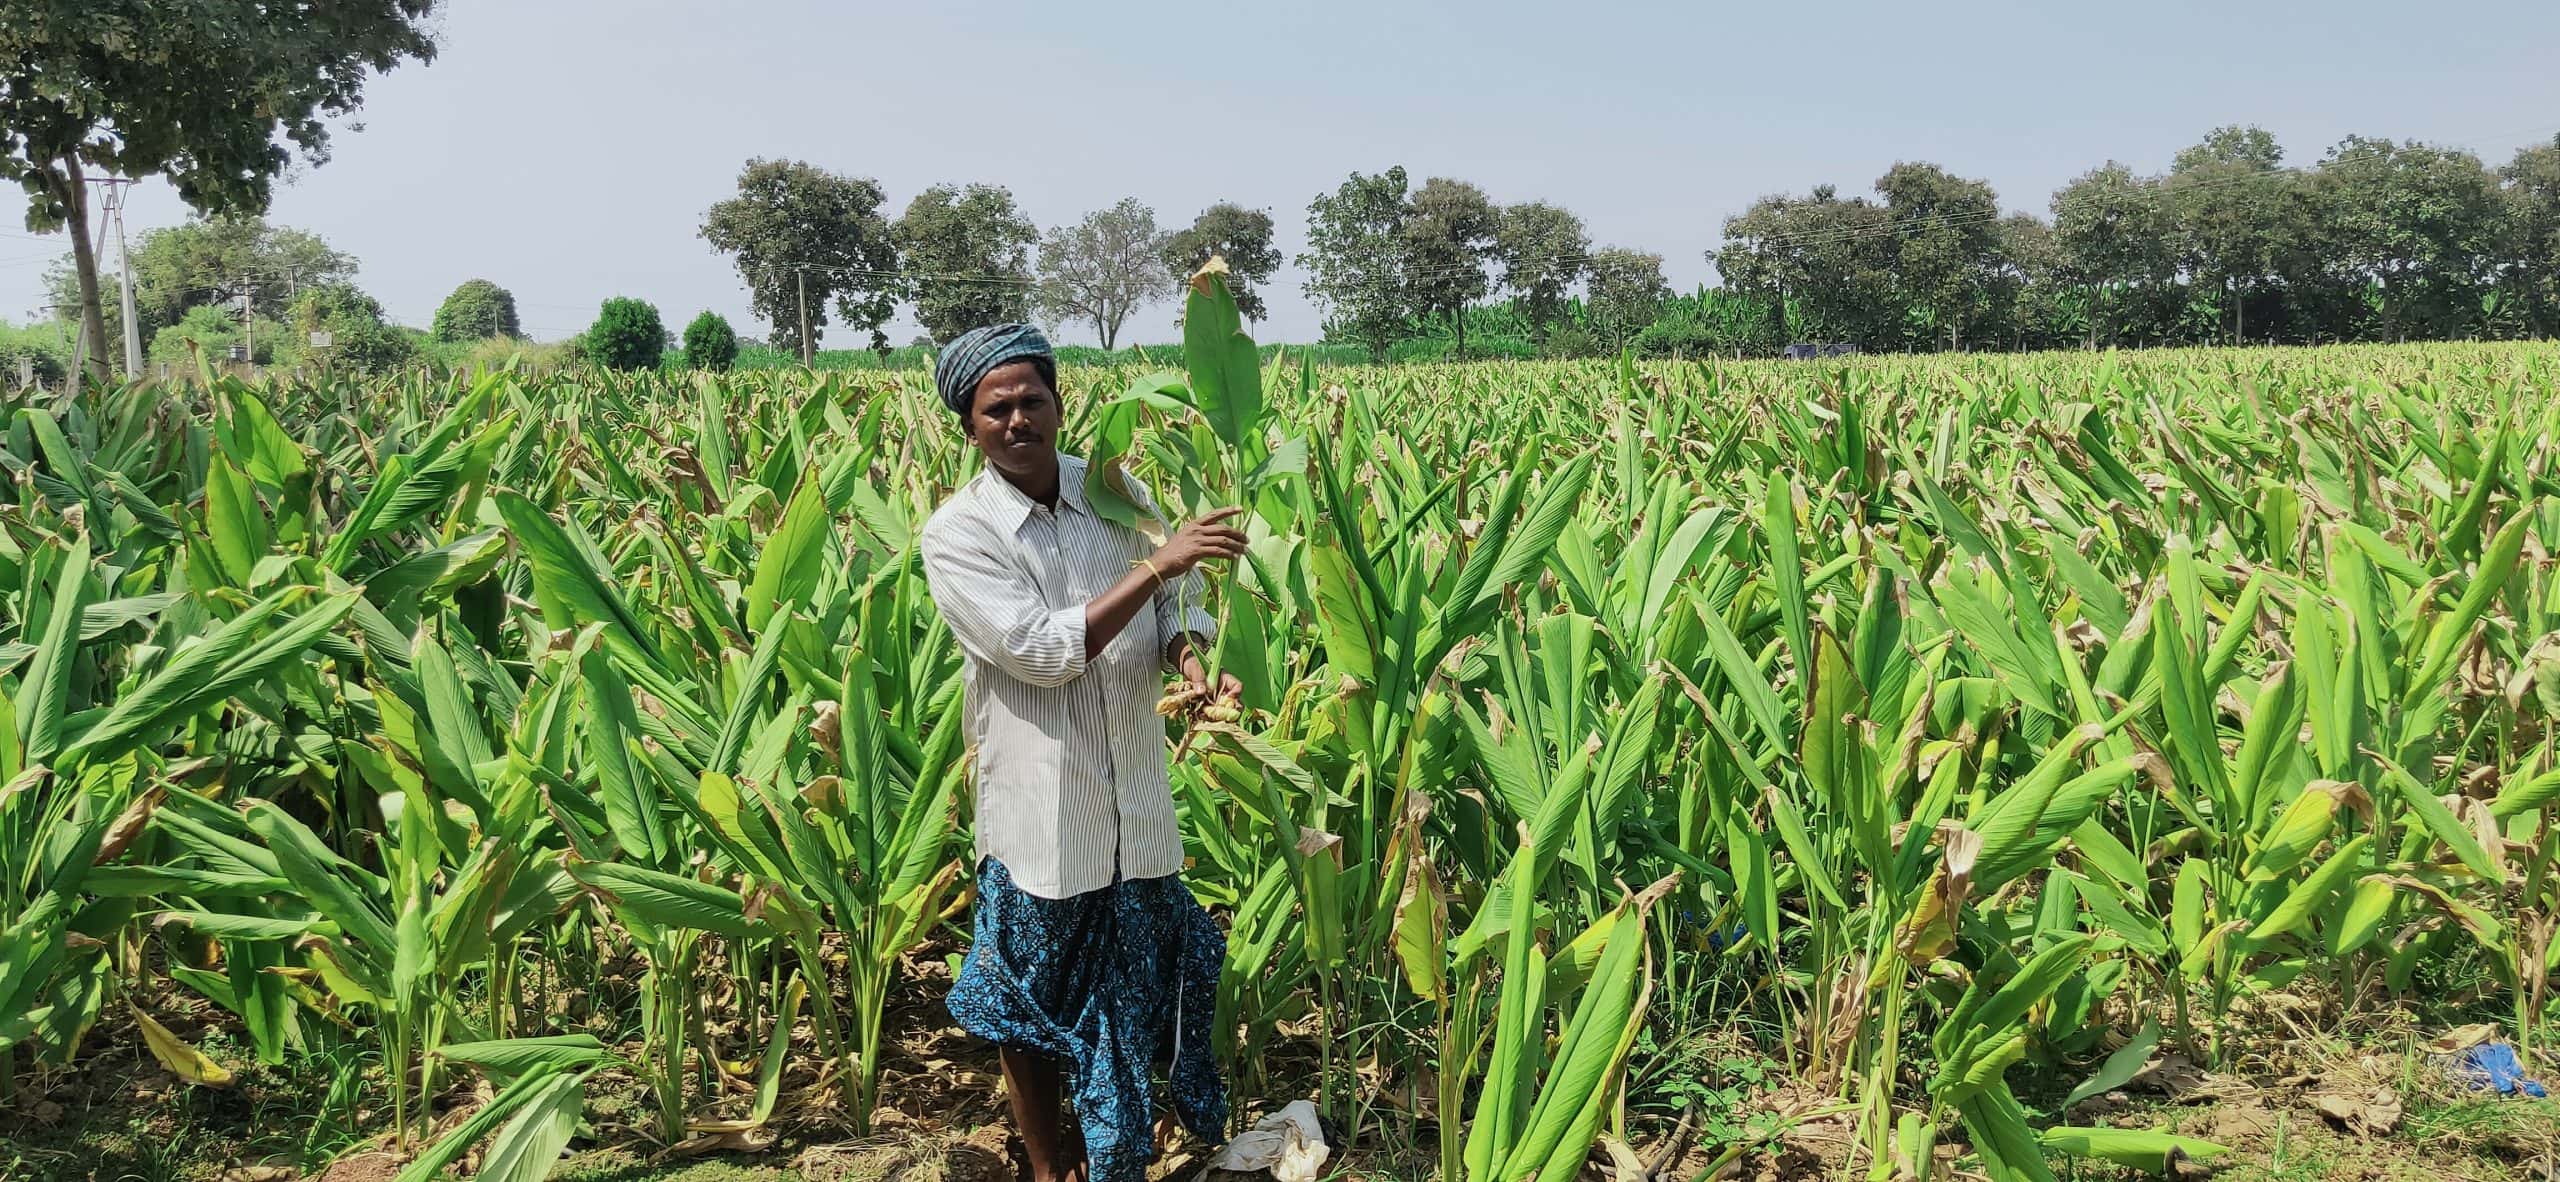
996, 613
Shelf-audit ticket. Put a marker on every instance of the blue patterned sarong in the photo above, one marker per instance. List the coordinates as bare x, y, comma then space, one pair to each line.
1110, 983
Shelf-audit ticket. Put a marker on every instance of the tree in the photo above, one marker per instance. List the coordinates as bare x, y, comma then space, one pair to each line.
968, 258
2111, 229
804, 238
627, 335
1830, 261
1627, 291
2533, 233
2033, 276
1449, 237
476, 311
1543, 250
359, 339
215, 94
709, 342
210, 260
2420, 223
1356, 259
1101, 269
1946, 244
2224, 211
1239, 235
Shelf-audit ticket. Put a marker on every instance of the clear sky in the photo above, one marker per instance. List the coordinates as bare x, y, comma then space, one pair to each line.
567, 148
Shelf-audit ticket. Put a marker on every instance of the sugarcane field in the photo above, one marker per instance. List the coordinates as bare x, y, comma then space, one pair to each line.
1623, 652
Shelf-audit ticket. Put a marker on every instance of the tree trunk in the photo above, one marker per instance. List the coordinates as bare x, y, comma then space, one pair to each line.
2239, 314
84, 257
1458, 322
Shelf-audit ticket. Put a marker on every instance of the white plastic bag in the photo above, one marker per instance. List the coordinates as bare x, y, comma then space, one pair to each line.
1288, 1143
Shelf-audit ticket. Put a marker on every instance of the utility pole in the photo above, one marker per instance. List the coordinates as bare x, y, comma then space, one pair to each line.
113, 191
248, 325
807, 355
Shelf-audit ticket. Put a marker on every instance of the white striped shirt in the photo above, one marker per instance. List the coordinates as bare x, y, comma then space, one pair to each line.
1070, 752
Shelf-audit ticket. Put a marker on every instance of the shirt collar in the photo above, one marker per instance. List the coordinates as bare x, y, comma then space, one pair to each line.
1013, 506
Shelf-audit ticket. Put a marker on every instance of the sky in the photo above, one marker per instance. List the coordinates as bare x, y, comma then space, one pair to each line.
567, 149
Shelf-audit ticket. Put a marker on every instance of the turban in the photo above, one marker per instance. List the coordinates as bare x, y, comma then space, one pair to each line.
974, 354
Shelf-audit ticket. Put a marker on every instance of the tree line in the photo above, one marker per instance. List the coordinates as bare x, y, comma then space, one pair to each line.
2377, 239
815, 247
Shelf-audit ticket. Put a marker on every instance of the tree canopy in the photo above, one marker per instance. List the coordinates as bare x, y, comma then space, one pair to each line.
215, 95
1449, 238
1544, 251
211, 260
800, 232
709, 342
627, 334
1239, 235
968, 256
477, 311
1103, 268
358, 338
1356, 257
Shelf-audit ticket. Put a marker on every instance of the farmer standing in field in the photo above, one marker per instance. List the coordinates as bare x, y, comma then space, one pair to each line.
1091, 962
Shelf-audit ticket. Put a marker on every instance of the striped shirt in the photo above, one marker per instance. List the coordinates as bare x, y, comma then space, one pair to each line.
1070, 753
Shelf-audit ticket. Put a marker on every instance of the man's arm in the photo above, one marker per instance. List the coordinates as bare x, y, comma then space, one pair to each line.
1111, 611
998, 617
1181, 624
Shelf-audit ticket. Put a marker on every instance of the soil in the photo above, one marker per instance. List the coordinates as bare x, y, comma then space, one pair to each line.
120, 1117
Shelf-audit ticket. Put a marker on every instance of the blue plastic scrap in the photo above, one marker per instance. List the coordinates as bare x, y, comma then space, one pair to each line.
2495, 1065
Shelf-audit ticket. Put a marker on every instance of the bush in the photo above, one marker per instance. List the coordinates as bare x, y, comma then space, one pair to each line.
709, 342
1500, 347
478, 357
476, 311
1570, 338
1679, 335
43, 347
627, 334
208, 331
359, 339
1406, 352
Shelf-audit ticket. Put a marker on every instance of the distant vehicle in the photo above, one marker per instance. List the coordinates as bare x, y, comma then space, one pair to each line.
1809, 352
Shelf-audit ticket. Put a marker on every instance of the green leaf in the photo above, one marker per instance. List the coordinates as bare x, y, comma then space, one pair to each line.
1226, 369
662, 901
332, 886
2139, 1148
795, 554
531, 1144
2440, 821
507, 1058
233, 521
44, 695
2120, 1067
231, 659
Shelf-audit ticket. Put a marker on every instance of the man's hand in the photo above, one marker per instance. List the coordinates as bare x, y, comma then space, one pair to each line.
1204, 540
1195, 677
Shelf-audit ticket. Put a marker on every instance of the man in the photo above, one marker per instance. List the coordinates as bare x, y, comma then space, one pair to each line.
1089, 954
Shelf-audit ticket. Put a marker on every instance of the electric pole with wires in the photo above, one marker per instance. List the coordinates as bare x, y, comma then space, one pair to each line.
112, 192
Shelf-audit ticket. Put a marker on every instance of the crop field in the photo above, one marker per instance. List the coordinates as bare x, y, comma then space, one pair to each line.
1907, 768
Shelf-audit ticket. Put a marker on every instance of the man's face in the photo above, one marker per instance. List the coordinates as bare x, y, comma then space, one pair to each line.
1014, 421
